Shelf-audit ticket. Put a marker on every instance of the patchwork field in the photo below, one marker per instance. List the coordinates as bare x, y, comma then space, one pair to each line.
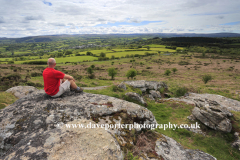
154, 49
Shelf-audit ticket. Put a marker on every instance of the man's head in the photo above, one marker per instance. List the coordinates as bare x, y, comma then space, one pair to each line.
51, 62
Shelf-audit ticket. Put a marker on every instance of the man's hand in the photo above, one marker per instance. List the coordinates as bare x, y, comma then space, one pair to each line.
73, 79
69, 77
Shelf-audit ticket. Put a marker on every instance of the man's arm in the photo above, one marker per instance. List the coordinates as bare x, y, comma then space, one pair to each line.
68, 77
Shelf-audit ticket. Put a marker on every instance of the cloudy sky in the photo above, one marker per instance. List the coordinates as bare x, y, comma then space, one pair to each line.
21, 18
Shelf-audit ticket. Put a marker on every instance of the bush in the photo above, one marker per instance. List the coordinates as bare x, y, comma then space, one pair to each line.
10, 62
112, 72
30, 83
89, 70
15, 77
174, 70
181, 91
103, 58
167, 72
178, 90
92, 66
102, 54
74, 63
91, 76
68, 52
131, 73
114, 88
206, 78
36, 62
89, 53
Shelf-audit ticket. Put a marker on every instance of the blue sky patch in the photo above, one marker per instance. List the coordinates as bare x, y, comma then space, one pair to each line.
126, 23
231, 23
47, 3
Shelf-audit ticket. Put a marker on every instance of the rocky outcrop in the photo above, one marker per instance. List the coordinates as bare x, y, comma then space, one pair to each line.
21, 91
122, 85
72, 126
136, 96
145, 85
155, 94
35, 117
224, 102
213, 117
149, 88
212, 110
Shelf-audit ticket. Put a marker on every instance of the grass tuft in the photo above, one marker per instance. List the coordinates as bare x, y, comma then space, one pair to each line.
6, 99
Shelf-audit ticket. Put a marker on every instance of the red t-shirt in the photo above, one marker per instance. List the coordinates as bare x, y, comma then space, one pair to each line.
51, 78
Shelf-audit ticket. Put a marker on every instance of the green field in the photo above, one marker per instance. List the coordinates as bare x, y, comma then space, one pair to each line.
25, 52
5, 59
155, 46
123, 50
99, 51
65, 59
120, 54
62, 46
163, 49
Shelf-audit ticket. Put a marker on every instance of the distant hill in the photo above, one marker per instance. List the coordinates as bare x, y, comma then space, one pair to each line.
49, 38
214, 35
27, 39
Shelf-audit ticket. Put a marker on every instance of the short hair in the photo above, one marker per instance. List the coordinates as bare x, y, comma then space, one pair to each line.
51, 61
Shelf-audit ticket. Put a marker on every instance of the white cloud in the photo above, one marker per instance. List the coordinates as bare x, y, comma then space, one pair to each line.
21, 18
